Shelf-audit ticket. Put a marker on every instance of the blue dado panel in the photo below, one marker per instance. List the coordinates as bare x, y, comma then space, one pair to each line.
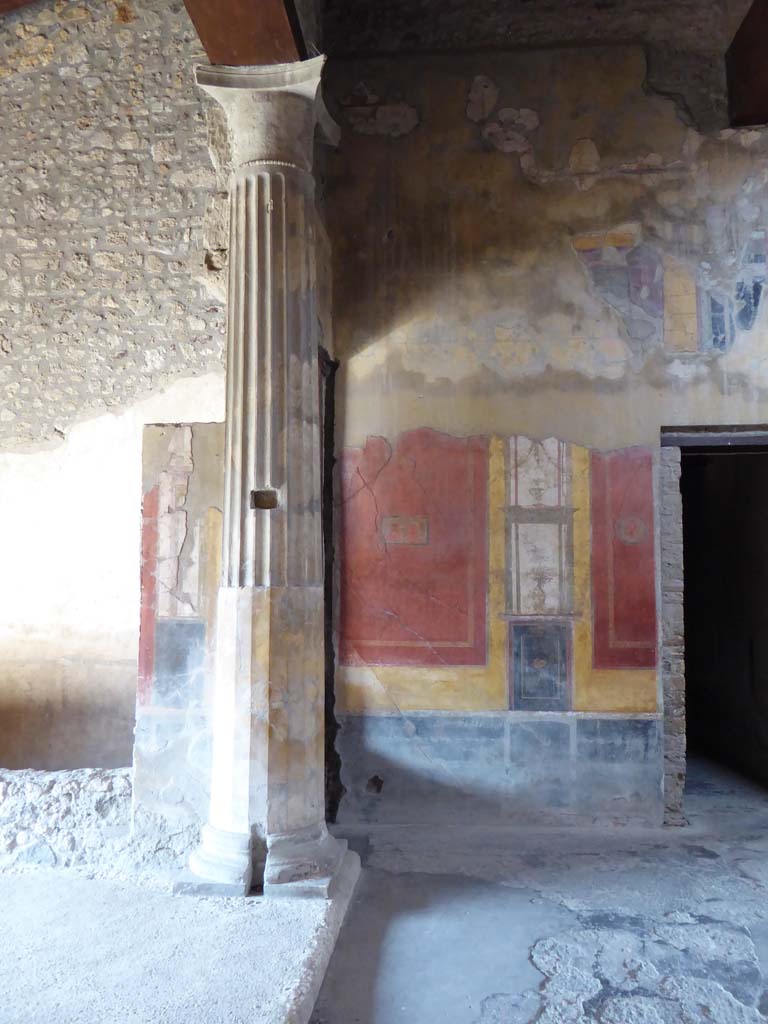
500, 768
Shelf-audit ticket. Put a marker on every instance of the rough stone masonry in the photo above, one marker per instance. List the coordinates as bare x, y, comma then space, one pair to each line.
105, 184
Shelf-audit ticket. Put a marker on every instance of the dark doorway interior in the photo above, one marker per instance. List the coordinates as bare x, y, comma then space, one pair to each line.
725, 543
334, 790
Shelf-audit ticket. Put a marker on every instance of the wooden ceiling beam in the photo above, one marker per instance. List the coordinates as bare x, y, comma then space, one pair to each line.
6, 6
746, 65
244, 32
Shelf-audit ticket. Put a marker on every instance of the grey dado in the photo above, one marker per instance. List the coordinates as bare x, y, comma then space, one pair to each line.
500, 768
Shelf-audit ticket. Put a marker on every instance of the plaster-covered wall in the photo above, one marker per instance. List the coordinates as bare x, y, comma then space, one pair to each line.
533, 244
538, 264
70, 600
110, 232
183, 492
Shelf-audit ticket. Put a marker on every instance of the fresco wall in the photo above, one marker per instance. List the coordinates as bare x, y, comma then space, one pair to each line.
538, 264
183, 483
483, 581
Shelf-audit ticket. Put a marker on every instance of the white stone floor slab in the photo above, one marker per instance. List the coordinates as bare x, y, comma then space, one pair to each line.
75, 950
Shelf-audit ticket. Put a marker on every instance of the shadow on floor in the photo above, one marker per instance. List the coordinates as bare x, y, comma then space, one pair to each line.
461, 925
431, 948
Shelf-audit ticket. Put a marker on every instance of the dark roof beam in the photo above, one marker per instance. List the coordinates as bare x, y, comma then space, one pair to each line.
244, 32
746, 65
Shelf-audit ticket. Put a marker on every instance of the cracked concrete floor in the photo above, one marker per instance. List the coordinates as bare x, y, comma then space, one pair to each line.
616, 927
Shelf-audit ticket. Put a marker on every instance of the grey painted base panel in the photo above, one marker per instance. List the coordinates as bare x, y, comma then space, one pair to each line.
528, 769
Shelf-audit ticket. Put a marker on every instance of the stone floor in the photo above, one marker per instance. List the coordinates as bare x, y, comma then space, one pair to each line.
77, 950
615, 927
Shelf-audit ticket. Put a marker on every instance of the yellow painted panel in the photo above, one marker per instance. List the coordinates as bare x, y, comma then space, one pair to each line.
628, 690
621, 238
681, 327
386, 688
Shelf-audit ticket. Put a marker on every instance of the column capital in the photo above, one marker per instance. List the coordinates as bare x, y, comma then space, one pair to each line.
272, 111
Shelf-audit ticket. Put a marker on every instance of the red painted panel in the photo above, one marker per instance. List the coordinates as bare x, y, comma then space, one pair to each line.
149, 511
414, 559
623, 566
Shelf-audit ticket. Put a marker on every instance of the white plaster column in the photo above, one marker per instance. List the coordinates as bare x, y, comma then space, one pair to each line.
267, 809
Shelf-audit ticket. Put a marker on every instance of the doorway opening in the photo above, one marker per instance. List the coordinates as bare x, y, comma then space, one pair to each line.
723, 537
327, 367
724, 489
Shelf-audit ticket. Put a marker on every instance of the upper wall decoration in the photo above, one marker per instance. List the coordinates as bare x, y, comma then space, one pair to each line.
723, 310
548, 219
628, 274
661, 299
513, 130
368, 114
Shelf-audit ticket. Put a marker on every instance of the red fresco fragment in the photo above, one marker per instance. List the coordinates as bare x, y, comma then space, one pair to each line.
149, 513
414, 558
623, 563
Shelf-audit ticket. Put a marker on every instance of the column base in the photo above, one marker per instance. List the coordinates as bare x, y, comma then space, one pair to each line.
222, 861
305, 864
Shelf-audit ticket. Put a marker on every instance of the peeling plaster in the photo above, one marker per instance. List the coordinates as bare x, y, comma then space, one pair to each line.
369, 115
477, 305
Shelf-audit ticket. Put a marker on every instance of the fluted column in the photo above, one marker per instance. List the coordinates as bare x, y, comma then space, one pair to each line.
267, 813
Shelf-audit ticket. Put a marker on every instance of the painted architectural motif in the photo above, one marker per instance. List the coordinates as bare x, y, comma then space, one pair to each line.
539, 573
628, 275
540, 529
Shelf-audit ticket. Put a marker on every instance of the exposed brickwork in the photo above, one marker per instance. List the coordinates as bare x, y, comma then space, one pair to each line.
104, 182
673, 636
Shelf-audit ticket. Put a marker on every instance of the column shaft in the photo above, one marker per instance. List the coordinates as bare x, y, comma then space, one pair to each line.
267, 794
